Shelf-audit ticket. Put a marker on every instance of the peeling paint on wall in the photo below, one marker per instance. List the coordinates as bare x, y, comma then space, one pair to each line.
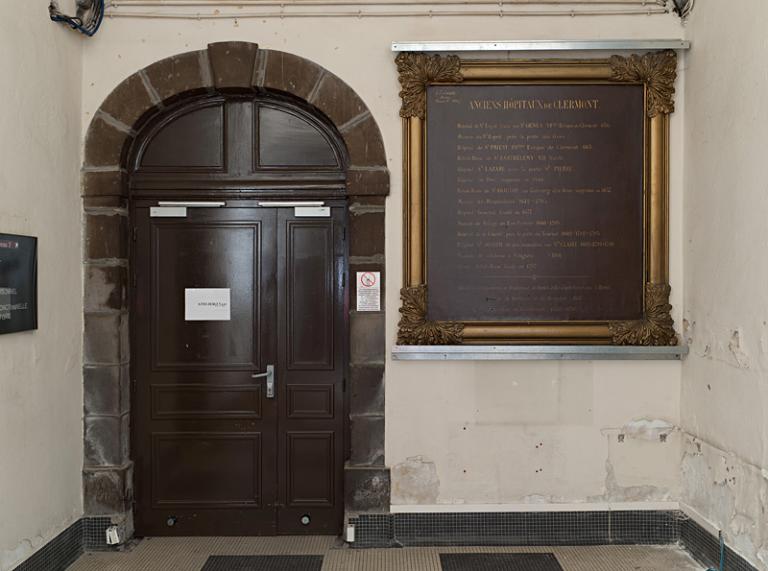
25, 548
737, 351
732, 493
724, 344
415, 482
617, 493
654, 430
632, 449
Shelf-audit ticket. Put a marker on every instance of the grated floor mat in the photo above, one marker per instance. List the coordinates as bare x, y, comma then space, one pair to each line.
264, 563
499, 562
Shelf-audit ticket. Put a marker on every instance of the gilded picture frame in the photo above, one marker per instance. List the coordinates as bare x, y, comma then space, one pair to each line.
656, 71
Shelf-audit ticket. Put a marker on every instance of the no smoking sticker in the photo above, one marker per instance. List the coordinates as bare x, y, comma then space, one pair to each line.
367, 279
368, 291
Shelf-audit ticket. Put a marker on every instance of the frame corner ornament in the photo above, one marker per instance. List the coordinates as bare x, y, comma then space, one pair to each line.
415, 329
656, 328
657, 70
416, 71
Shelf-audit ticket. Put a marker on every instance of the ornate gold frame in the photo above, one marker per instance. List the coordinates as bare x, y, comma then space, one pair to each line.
657, 72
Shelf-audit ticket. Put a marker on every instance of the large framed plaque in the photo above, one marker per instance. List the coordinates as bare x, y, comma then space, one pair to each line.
536, 200
18, 283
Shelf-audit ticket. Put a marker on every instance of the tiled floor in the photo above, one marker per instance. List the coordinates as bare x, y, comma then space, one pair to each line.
190, 554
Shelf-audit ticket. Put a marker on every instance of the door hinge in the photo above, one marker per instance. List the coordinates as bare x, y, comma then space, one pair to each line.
135, 233
344, 385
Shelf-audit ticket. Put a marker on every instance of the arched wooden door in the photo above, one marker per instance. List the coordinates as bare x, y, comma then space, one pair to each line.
238, 324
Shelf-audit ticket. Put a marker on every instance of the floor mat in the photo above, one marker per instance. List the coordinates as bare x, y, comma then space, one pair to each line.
499, 562
264, 563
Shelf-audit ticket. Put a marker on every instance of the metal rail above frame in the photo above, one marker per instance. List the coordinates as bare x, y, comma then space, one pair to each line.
541, 45
536, 353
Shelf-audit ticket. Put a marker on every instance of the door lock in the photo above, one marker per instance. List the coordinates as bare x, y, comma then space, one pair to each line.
270, 376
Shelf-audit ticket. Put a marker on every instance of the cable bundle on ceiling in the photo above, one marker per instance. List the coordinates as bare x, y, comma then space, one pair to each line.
87, 19
683, 7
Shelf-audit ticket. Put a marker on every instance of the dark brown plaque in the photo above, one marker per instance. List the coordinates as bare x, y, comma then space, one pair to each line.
535, 202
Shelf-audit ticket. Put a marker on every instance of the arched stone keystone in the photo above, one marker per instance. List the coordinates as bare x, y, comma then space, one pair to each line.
232, 63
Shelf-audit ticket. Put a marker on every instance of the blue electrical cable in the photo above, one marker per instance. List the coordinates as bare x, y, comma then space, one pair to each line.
722, 554
75, 23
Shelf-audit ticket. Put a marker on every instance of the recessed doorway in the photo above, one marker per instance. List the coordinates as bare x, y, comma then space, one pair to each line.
238, 319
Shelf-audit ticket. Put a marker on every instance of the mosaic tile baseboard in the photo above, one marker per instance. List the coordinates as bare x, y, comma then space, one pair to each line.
518, 529
86, 534
59, 553
95, 534
544, 528
443, 529
705, 548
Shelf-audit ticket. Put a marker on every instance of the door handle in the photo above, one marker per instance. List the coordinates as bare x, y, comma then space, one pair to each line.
270, 375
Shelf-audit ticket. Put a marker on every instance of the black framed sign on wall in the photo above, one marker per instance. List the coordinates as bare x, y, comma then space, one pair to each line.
18, 283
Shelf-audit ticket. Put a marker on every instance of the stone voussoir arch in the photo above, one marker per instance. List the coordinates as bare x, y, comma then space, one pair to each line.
222, 67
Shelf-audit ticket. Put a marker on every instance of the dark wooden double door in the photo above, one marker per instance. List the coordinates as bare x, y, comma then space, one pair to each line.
217, 453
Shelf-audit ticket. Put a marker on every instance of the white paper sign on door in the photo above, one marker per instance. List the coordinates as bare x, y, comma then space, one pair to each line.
368, 291
207, 304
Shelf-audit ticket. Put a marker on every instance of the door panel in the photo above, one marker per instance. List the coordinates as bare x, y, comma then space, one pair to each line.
214, 455
311, 342
204, 433
190, 401
310, 469
232, 461
310, 401
176, 146
205, 256
309, 297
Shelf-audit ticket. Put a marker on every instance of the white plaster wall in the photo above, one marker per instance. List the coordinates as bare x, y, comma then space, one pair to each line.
41, 402
514, 433
725, 382
489, 433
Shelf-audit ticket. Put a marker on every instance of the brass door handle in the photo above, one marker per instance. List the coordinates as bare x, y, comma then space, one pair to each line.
270, 375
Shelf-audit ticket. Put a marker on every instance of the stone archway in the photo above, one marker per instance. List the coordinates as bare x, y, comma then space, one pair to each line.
107, 471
